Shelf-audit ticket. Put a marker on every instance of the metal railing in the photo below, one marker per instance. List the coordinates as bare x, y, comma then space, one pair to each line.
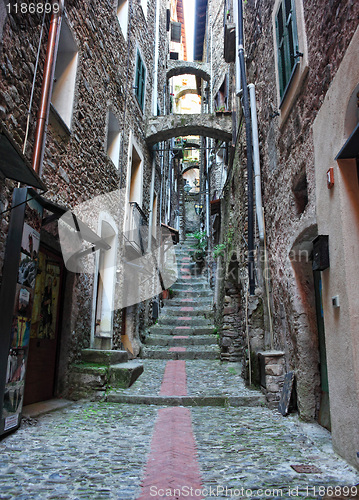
137, 229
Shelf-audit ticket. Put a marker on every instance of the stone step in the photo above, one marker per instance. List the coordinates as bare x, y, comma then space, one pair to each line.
183, 340
184, 321
193, 293
173, 330
184, 302
185, 278
103, 357
190, 286
187, 310
222, 401
92, 379
125, 374
190, 353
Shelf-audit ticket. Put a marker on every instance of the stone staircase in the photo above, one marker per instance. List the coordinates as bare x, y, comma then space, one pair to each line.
185, 327
100, 370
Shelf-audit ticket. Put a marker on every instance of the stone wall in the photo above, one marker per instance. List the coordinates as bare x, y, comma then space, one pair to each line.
76, 167
287, 163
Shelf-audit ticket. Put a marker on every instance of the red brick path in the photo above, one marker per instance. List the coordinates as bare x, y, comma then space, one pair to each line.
174, 381
172, 469
172, 463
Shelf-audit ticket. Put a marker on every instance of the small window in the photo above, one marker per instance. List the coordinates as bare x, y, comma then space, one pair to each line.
113, 139
287, 43
140, 81
176, 33
122, 15
300, 191
65, 75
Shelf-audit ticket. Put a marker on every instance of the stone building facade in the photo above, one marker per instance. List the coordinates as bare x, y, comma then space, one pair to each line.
304, 306
109, 67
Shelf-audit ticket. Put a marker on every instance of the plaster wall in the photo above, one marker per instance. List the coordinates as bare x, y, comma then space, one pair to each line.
338, 217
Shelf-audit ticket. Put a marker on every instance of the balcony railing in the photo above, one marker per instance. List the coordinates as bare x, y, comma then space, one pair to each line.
137, 233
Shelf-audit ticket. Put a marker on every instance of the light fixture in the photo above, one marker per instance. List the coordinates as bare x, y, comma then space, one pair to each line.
198, 208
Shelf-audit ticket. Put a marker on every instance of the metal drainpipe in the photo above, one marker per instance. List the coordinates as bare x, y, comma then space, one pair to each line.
155, 75
47, 83
256, 162
247, 117
238, 70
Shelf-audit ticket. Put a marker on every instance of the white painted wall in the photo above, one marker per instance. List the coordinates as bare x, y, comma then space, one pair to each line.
338, 216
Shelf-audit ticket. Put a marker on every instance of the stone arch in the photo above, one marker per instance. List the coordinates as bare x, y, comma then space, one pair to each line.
185, 92
304, 330
161, 128
200, 69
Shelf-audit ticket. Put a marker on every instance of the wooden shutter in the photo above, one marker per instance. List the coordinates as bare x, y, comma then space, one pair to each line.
287, 43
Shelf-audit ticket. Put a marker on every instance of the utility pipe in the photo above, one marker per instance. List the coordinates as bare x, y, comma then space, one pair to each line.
256, 162
46, 89
152, 197
238, 69
247, 117
155, 73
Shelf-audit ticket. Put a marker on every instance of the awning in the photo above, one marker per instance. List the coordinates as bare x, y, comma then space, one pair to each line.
351, 147
174, 233
75, 224
13, 164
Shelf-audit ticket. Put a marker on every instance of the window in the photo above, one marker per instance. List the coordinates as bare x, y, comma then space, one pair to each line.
113, 139
122, 15
140, 81
287, 43
65, 75
290, 53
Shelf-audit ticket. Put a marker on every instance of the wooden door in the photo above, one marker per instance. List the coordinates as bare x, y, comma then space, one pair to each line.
324, 411
42, 358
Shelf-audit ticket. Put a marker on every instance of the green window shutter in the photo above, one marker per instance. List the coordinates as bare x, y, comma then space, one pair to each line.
140, 81
287, 43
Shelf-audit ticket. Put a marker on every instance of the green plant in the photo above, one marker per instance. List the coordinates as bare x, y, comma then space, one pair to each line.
218, 250
200, 246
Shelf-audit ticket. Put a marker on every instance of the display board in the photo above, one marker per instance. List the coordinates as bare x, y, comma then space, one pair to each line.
16, 303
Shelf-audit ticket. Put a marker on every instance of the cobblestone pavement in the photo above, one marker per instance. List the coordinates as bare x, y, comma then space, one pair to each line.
235, 448
99, 451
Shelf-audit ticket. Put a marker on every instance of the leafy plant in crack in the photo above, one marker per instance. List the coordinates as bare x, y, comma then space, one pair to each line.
200, 246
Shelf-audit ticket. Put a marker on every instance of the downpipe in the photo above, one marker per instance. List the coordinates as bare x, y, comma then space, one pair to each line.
46, 89
246, 109
256, 162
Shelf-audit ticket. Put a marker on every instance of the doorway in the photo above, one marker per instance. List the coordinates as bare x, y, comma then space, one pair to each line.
44, 333
105, 296
324, 410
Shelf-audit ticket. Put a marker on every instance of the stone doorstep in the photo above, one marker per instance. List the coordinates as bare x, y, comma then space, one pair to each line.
104, 357
222, 401
41, 408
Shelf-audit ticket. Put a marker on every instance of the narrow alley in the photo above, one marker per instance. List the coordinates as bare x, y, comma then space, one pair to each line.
187, 428
179, 249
